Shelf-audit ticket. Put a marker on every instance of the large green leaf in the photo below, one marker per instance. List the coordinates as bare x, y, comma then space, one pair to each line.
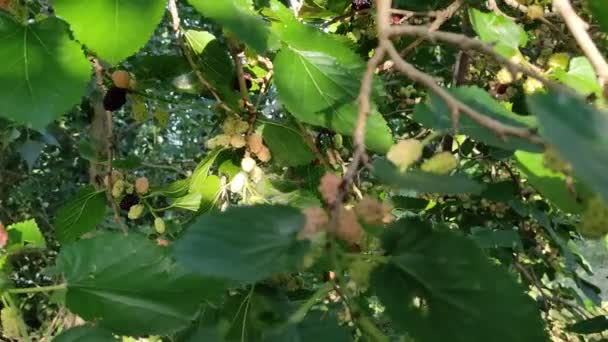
243, 243
420, 181
113, 29
23, 235
43, 72
580, 77
130, 285
238, 18
80, 215
434, 113
500, 30
287, 145
599, 11
549, 183
578, 131
318, 90
85, 333
439, 286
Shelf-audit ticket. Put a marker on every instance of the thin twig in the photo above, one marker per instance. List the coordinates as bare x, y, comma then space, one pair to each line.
578, 28
466, 43
440, 18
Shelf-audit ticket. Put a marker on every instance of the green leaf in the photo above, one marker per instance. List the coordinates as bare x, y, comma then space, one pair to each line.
244, 243
578, 131
23, 235
215, 63
130, 285
174, 189
593, 325
434, 113
319, 9
190, 202
237, 18
420, 181
320, 91
85, 333
287, 145
496, 238
301, 37
580, 77
500, 30
599, 10
210, 192
317, 326
113, 29
43, 72
200, 174
30, 152
549, 183
80, 215
439, 286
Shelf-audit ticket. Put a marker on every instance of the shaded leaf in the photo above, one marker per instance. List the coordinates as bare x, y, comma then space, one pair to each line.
434, 113
420, 181
317, 326
549, 183
80, 215
600, 12
130, 285
113, 29
85, 333
238, 19
215, 63
30, 151
43, 72
496, 238
244, 243
578, 131
593, 325
439, 286
287, 145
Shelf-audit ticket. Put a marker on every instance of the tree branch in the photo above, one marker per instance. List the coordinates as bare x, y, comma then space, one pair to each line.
578, 28
441, 17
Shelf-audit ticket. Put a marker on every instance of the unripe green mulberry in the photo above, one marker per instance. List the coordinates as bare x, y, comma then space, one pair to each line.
118, 188
159, 225
558, 60
532, 85
441, 163
10, 323
405, 153
338, 141
136, 211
